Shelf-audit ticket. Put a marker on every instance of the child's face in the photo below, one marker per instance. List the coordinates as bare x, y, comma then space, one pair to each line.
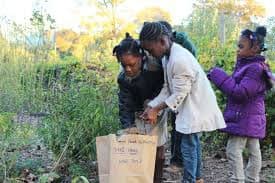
156, 48
244, 48
131, 64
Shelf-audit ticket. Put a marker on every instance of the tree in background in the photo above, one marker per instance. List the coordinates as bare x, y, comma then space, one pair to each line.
107, 10
243, 13
270, 40
104, 30
66, 40
217, 24
41, 32
152, 14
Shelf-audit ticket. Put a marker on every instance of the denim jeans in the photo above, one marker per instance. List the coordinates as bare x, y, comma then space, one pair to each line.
191, 155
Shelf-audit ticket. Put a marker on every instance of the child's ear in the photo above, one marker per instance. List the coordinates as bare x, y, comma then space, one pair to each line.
164, 41
256, 48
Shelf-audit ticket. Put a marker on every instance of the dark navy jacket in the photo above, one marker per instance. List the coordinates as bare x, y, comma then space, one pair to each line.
133, 93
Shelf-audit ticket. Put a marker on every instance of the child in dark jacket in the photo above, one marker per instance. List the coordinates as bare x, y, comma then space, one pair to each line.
140, 80
245, 110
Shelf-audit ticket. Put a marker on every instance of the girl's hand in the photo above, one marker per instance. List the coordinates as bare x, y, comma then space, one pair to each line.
209, 73
151, 114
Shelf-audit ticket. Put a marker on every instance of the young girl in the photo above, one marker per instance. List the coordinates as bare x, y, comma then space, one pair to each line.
176, 159
140, 80
245, 110
186, 91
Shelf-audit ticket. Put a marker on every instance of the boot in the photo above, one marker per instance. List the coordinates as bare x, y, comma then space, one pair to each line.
160, 159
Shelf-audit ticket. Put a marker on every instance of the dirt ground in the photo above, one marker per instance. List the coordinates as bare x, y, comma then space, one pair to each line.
215, 170
215, 166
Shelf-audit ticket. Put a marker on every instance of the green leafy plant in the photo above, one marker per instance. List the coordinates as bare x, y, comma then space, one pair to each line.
49, 177
13, 137
79, 114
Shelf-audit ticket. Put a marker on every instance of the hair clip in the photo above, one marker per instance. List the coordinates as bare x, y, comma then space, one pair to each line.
253, 36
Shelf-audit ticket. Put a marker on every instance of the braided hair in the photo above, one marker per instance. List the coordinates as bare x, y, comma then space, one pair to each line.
152, 31
256, 37
128, 45
167, 25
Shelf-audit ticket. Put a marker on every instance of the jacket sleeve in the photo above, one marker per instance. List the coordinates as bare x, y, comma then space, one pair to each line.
126, 106
182, 79
164, 94
248, 87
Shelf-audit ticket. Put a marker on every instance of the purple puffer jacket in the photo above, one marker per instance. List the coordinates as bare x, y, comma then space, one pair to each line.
245, 90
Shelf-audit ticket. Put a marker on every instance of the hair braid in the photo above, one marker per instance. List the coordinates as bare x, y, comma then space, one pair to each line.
128, 45
152, 31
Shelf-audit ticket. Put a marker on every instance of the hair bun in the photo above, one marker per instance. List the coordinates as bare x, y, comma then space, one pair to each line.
261, 30
127, 35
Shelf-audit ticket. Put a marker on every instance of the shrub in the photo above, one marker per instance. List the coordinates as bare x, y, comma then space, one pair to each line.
12, 138
80, 113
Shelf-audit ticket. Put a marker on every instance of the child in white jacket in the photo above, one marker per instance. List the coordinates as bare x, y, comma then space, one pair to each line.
186, 91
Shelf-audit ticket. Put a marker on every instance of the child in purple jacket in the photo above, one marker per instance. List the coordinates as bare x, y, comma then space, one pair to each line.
245, 110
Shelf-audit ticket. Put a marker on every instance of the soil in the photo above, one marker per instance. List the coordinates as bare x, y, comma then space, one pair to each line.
215, 166
215, 170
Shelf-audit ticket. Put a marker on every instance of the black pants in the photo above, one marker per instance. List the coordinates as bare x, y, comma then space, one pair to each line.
273, 141
176, 157
160, 159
